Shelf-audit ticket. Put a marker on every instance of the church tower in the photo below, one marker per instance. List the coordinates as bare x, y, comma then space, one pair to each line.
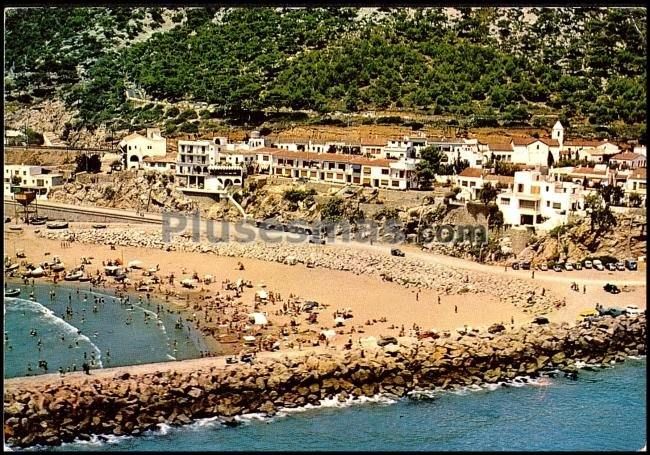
558, 133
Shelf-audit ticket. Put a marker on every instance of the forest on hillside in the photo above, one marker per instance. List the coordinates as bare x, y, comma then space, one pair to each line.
582, 64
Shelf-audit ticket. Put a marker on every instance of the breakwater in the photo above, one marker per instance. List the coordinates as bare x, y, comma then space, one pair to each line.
129, 404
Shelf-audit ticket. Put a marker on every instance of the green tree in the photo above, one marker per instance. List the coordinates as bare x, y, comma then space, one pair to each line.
488, 193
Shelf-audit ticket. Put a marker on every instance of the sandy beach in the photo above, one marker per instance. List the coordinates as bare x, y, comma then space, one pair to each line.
370, 300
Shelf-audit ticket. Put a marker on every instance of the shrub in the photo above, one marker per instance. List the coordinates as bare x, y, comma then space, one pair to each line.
188, 127
296, 195
172, 112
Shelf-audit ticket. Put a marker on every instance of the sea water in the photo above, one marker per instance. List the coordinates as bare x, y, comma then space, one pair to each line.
603, 410
114, 335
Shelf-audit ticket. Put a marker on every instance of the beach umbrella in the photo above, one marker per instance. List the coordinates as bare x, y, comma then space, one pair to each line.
262, 294
329, 334
258, 318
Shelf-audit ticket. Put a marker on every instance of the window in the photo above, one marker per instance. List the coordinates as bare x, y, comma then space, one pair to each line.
505, 200
395, 183
548, 203
547, 187
342, 166
384, 172
39, 182
472, 184
557, 205
24, 172
520, 188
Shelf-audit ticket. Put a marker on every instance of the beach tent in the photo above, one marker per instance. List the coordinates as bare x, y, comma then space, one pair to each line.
339, 321
329, 334
258, 318
135, 264
262, 294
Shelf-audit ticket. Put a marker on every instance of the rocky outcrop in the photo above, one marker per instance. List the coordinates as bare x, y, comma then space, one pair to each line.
152, 192
57, 412
408, 272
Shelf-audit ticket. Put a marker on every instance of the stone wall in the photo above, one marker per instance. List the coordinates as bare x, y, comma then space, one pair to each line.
58, 412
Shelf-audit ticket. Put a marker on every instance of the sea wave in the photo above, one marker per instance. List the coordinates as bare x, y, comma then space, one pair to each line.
47, 314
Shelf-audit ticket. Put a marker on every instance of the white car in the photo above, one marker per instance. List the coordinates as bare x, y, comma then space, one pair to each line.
632, 310
598, 265
588, 264
568, 266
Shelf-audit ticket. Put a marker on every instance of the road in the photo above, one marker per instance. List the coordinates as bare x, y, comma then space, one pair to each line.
236, 231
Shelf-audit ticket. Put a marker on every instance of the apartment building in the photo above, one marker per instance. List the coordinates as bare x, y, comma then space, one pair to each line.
199, 169
636, 184
341, 169
18, 178
536, 201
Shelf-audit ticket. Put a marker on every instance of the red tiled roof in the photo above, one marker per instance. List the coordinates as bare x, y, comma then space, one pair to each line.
471, 172
582, 143
499, 146
169, 158
505, 179
331, 157
587, 170
531, 140
627, 156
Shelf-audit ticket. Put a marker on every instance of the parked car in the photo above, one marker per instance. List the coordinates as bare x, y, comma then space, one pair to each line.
540, 320
611, 266
543, 267
515, 266
383, 341
396, 252
247, 358
611, 311
577, 266
620, 266
588, 264
631, 264
525, 265
557, 267
568, 266
632, 309
611, 288
598, 265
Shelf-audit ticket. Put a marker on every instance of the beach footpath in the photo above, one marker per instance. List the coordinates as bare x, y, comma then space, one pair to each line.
54, 409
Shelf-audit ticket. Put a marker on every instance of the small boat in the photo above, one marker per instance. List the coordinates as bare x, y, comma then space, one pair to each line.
12, 292
36, 273
15, 228
84, 278
99, 226
38, 221
12, 267
57, 225
58, 268
73, 276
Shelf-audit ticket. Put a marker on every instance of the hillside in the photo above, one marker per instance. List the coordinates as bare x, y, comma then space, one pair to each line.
485, 66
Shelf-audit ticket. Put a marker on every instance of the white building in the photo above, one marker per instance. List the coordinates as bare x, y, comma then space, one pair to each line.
641, 150
198, 168
165, 163
18, 178
471, 181
636, 184
535, 201
341, 169
588, 150
14, 137
535, 152
136, 147
628, 160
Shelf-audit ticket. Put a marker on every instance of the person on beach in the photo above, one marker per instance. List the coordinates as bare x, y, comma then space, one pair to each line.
455, 308
584, 288
532, 274
86, 368
438, 300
